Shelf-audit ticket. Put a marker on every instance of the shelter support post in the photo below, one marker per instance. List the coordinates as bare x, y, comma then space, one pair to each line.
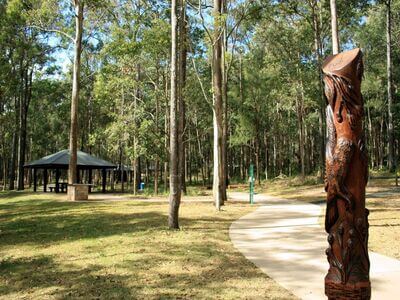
90, 180
104, 180
45, 180
34, 179
78, 177
57, 180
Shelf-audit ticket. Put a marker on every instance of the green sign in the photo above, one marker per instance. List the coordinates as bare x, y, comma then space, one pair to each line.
251, 182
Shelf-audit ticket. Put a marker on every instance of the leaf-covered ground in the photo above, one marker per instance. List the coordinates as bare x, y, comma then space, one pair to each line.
53, 249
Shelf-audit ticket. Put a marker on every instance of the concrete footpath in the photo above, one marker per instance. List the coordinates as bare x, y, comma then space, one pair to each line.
284, 239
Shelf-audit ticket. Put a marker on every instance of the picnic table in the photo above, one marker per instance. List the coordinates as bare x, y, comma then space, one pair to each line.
62, 186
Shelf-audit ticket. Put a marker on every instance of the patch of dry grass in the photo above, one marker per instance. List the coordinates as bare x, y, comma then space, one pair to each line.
293, 189
53, 249
382, 199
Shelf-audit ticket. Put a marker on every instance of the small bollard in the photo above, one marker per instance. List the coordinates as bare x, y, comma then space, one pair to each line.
251, 182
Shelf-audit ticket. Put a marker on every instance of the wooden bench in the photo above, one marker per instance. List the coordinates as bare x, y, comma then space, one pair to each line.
62, 186
51, 187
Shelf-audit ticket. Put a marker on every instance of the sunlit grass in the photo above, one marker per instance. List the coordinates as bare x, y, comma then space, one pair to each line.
382, 199
50, 248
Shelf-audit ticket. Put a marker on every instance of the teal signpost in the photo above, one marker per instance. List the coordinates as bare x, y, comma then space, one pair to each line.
251, 182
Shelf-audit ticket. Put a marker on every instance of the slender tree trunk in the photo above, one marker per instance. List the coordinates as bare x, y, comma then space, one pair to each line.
135, 175
266, 154
257, 158
391, 156
166, 137
73, 138
300, 118
218, 176
14, 149
157, 160
201, 154
334, 25
4, 169
156, 173
224, 154
26, 79
370, 138
381, 143
181, 95
121, 169
175, 190
322, 102
112, 180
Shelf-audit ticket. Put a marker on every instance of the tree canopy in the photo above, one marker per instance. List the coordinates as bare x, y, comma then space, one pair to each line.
272, 109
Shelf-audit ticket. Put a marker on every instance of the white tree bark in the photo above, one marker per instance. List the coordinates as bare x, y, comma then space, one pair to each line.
335, 32
218, 175
174, 182
391, 158
73, 138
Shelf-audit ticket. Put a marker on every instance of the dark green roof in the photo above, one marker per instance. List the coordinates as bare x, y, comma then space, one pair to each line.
61, 160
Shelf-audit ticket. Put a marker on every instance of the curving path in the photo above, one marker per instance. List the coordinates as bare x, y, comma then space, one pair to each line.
284, 239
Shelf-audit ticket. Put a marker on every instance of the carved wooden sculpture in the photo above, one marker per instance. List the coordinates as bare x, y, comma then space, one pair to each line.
346, 220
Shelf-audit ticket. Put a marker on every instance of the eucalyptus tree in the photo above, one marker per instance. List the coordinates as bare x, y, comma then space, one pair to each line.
23, 53
389, 71
57, 17
334, 25
175, 188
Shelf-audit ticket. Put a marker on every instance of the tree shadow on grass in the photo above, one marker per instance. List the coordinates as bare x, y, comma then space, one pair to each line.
44, 229
33, 276
43, 222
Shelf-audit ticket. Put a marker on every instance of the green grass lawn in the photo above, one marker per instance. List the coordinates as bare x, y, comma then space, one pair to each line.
53, 249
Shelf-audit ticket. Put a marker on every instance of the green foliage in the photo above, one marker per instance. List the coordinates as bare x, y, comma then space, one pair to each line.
270, 61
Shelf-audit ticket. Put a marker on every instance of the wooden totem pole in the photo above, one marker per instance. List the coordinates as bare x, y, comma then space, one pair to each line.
346, 220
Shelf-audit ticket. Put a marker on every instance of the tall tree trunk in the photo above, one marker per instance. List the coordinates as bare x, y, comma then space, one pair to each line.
175, 190
4, 169
334, 25
156, 175
166, 136
26, 79
157, 159
13, 162
181, 97
224, 68
391, 156
300, 120
266, 154
218, 176
121, 169
73, 138
316, 12
135, 174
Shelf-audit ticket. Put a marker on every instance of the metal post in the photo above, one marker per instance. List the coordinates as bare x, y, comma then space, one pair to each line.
251, 182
